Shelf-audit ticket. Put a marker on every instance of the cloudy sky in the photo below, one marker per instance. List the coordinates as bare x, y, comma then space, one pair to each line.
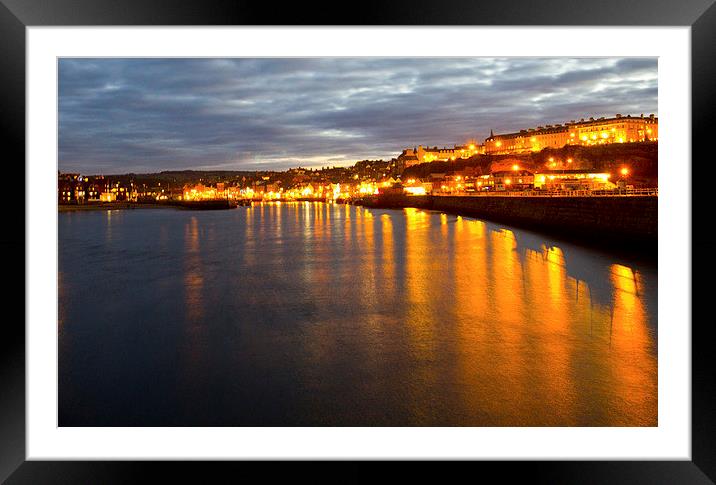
148, 115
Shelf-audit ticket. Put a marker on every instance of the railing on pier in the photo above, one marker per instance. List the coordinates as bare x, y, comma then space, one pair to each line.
557, 193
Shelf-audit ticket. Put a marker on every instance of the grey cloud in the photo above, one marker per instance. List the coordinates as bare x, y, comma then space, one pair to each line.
121, 115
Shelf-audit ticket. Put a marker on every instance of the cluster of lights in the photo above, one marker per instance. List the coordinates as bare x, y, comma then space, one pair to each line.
552, 163
328, 192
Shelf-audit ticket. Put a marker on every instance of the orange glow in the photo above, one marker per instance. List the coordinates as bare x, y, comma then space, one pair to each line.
630, 336
624, 171
405, 317
414, 190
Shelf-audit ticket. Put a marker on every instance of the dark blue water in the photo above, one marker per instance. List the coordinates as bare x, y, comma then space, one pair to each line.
316, 314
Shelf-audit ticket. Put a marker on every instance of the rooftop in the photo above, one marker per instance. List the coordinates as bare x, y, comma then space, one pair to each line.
560, 128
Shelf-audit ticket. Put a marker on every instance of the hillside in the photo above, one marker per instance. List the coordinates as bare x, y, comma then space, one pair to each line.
641, 159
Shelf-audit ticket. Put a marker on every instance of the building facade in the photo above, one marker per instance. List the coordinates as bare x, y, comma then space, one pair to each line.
510, 180
421, 154
600, 131
551, 180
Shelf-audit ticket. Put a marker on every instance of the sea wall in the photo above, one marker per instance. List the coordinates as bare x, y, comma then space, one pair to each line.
616, 220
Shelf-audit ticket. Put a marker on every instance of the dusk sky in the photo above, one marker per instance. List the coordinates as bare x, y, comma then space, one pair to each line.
149, 115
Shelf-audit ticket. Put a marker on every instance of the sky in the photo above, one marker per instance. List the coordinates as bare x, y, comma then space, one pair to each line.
148, 115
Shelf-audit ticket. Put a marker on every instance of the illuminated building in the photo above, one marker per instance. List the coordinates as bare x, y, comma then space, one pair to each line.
415, 190
202, 192
73, 188
415, 156
416, 187
95, 188
572, 180
510, 180
619, 129
69, 188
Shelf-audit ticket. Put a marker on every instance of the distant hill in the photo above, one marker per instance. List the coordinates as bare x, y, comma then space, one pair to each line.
174, 178
641, 159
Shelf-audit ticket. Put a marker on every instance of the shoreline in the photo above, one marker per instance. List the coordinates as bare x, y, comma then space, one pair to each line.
219, 204
197, 205
624, 227
570, 225
111, 206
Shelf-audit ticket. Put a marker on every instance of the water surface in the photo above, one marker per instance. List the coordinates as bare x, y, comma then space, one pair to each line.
303, 314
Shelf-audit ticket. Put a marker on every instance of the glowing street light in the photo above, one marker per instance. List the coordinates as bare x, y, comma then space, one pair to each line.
515, 167
625, 171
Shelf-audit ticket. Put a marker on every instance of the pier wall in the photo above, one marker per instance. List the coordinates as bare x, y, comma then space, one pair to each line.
630, 219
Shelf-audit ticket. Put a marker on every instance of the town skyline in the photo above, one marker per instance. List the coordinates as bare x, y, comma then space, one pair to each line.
153, 115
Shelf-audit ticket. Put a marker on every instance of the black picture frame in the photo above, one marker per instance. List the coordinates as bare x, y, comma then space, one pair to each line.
16, 15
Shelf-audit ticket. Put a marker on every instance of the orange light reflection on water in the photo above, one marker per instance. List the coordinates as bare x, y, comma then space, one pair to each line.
485, 330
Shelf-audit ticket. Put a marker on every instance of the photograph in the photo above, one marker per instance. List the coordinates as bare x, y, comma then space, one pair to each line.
357, 241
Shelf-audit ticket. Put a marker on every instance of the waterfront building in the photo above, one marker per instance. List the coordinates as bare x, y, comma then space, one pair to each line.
572, 180
95, 187
69, 188
511, 180
108, 196
199, 192
74, 188
414, 186
600, 131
